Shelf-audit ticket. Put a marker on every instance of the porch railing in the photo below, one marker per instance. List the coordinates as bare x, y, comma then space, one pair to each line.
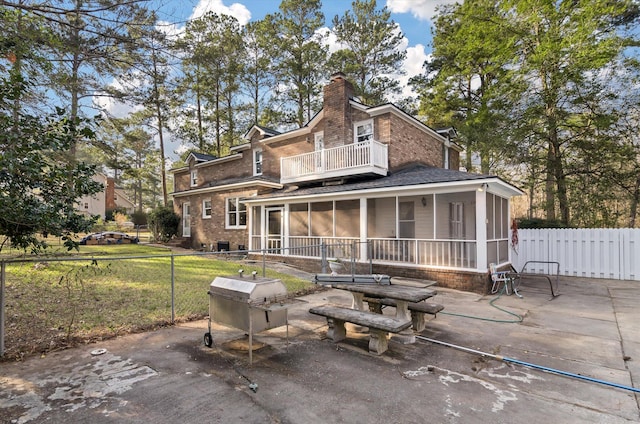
441, 253
365, 157
444, 253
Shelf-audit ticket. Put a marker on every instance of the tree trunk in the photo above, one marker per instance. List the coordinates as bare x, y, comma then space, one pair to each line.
163, 165
634, 204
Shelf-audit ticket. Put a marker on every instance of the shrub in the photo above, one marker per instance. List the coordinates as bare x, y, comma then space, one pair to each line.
163, 224
139, 218
539, 223
120, 219
110, 214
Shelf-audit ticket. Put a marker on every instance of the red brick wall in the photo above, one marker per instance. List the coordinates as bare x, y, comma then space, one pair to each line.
337, 116
454, 159
212, 230
409, 144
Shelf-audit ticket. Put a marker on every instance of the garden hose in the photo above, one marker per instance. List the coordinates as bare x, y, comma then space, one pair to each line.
530, 365
492, 303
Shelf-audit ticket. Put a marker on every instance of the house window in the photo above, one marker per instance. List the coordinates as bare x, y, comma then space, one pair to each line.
194, 178
236, 213
206, 208
456, 220
406, 220
257, 162
363, 131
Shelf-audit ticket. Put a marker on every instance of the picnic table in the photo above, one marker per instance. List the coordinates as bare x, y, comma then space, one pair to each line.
403, 296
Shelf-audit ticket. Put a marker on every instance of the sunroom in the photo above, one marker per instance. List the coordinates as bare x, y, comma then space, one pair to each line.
422, 218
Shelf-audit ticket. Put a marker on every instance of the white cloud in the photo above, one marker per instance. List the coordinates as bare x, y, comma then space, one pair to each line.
112, 106
412, 66
237, 10
420, 9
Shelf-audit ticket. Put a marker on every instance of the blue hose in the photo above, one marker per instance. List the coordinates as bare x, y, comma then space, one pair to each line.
534, 366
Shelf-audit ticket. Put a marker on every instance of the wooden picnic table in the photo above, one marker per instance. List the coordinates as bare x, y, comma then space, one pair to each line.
403, 295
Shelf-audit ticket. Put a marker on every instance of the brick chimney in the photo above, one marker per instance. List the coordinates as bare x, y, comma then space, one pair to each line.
338, 127
110, 194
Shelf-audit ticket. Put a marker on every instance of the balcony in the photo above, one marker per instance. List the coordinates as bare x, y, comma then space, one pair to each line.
369, 157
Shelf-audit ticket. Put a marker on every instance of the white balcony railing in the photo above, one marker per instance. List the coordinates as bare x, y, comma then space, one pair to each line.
357, 158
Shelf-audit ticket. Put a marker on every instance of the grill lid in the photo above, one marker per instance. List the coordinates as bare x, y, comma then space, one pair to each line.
256, 290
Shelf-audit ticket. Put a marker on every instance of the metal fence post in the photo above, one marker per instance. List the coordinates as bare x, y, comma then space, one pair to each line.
370, 255
173, 291
323, 256
354, 247
2, 276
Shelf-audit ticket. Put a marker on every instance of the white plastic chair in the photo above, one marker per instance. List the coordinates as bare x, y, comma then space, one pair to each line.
503, 278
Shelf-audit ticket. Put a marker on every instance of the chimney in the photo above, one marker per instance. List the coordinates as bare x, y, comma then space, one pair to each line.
110, 194
338, 129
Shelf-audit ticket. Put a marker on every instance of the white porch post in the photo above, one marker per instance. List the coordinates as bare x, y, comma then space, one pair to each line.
263, 227
285, 230
364, 251
481, 230
250, 211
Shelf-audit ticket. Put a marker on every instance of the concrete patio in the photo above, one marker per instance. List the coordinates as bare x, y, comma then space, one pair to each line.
168, 376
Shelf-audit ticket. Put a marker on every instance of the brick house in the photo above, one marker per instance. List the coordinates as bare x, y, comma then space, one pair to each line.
373, 184
110, 198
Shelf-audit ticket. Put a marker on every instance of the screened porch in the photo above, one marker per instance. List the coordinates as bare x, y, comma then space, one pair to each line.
432, 229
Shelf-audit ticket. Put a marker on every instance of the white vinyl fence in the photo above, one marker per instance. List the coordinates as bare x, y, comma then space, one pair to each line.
592, 253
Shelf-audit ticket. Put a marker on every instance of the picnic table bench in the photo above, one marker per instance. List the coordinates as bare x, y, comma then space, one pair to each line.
379, 325
418, 310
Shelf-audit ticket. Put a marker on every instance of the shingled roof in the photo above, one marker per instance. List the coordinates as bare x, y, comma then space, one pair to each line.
413, 175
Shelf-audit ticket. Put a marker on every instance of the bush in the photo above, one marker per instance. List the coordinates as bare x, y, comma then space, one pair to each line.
139, 218
163, 224
120, 219
109, 214
539, 223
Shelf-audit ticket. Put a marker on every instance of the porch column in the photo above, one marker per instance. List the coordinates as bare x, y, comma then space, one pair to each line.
285, 230
263, 228
481, 230
364, 251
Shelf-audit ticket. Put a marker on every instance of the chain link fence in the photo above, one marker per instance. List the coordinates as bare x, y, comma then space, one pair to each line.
53, 303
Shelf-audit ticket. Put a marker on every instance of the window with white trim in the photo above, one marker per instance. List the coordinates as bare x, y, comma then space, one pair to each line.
363, 131
206, 208
257, 162
236, 216
194, 178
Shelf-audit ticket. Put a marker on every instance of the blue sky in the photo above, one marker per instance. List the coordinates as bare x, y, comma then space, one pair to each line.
413, 17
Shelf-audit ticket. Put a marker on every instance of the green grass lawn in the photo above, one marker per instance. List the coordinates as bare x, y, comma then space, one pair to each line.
50, 305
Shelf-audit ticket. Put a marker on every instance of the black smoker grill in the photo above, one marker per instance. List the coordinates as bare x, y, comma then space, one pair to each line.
249, 303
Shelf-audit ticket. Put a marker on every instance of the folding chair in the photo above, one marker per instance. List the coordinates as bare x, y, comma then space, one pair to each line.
503, 278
